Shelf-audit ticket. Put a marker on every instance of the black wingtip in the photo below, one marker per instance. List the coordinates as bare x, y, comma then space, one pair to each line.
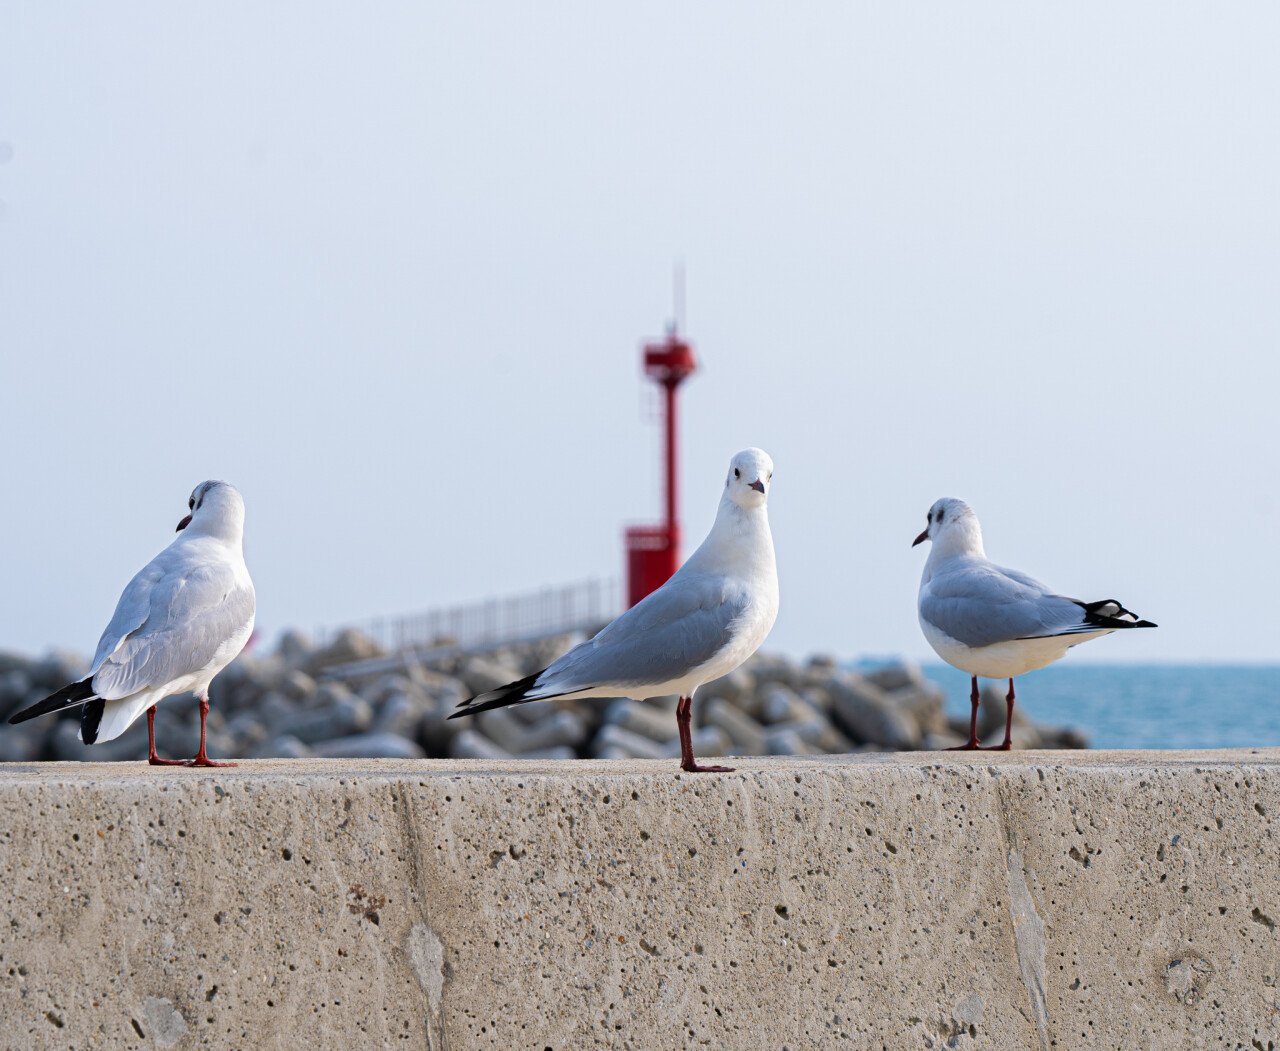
1108, 613
502, 697
67, 697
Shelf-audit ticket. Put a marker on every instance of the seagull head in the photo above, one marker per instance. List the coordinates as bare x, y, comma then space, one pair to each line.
953, 525
750, 476
216, 508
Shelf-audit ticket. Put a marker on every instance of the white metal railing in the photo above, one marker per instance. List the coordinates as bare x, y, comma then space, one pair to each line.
549, 611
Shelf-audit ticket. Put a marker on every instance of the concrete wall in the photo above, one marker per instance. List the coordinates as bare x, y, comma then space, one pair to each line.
1030, 900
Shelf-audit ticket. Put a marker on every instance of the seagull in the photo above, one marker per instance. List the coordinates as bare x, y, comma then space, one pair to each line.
181, 620
701, 624
996, 622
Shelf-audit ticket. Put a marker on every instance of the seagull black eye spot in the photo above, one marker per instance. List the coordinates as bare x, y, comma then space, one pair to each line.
737, 473
191, 503
939, 516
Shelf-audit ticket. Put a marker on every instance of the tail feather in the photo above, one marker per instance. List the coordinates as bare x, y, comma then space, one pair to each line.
67, 697
1109, 613
115, 717
513, 693
90, 720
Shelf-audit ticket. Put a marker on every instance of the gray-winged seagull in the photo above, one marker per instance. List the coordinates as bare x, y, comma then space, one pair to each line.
180, 621
701, 624
996, 622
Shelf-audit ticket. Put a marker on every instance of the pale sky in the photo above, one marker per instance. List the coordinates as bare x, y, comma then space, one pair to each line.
386, 268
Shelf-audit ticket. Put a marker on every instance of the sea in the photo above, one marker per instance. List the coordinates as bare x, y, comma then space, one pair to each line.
1144, 705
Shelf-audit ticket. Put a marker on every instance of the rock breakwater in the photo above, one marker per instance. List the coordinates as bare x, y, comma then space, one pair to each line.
350, 699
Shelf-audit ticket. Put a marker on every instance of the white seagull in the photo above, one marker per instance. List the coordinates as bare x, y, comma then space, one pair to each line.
996, 622
181, 620
701, 624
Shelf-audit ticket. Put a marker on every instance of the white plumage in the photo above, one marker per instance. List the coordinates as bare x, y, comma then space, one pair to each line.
181, 620
701, 624
996, 622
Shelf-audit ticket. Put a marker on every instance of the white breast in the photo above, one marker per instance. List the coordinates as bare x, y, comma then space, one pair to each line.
749, 632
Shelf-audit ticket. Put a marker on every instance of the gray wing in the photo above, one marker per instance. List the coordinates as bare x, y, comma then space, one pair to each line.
131, 611
190, 615
980, 604
677, 628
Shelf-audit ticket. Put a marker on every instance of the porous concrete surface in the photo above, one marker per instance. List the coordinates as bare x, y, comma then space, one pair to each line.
1023, 900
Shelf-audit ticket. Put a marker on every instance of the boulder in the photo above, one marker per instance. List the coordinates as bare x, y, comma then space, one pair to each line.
618, 741
864, 712
345, 716
557, 754
897, 675
780, 740
398, 713
295, 648
641, 718
768, 668
560, 729
480, 674
472, 745
283, 746
738, 687
745, 734
502, 728
369, 746
924, 703
247, 730
296, 685
781, 704
1062, 737
14, 662
57, 668
65, 744
23, 743
348, 647
15, 687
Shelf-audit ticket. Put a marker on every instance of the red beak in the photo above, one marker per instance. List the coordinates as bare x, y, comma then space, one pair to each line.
757, 485
921, 538
183, 524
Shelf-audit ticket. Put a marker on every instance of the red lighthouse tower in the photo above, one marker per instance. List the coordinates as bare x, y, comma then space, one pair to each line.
653, 552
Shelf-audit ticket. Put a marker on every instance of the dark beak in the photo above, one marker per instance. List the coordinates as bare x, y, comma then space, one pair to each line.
757, 485
921, 538
183, 524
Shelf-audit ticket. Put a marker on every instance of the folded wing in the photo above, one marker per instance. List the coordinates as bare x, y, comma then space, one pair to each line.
980, 604
132, 610
190, 615
674, 630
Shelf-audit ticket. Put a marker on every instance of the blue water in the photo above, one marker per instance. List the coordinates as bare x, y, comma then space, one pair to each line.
1144, 705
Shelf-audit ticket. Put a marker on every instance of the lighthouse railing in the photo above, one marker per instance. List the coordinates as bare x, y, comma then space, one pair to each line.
582, 606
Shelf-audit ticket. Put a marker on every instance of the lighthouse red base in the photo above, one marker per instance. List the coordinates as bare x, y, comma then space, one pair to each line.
653, 555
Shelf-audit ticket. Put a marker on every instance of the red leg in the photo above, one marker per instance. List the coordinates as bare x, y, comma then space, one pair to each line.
201, 759
684, 715
1008, 722
974, 700
152, 758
